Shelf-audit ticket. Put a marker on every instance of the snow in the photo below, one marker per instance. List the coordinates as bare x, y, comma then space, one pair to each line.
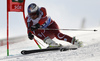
89, 52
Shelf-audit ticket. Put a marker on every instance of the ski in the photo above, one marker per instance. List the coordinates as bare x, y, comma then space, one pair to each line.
47, 49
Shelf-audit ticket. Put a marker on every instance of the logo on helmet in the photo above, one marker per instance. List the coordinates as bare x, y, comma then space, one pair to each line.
33, 8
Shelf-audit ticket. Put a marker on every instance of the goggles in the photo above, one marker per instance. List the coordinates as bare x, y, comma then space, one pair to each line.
35, 13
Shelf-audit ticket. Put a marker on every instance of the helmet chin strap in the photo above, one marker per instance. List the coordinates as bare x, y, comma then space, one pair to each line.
35, 17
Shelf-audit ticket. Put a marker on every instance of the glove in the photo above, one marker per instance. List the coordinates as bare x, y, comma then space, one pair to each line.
33, 28
30, 36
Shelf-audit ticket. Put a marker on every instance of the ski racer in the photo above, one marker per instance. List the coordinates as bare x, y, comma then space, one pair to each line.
37, 22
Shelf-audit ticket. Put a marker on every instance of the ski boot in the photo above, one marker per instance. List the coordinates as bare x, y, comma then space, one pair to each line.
51, 43
76, 42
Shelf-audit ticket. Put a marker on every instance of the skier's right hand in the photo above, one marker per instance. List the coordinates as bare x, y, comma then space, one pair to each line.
30, 36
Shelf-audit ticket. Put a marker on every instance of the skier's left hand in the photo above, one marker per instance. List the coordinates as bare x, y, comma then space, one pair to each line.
33, 28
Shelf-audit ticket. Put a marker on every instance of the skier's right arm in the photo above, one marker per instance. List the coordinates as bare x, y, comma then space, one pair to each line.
30, 35
28, 25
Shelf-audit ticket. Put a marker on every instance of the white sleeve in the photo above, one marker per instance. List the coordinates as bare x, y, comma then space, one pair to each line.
28, 20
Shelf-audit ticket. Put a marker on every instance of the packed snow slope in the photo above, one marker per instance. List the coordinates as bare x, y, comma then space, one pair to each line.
89, 52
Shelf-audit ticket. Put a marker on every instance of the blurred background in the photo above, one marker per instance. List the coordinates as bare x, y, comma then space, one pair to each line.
69, 14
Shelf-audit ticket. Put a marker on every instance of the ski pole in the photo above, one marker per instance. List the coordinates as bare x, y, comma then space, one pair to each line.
68, 29
40, 43
37, 43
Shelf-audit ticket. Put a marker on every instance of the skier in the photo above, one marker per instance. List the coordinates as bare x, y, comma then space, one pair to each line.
37, 21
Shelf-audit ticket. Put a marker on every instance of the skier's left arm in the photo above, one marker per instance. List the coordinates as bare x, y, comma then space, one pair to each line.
36, 26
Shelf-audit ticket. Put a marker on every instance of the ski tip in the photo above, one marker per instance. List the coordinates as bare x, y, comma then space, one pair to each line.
23, 52
95, 30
